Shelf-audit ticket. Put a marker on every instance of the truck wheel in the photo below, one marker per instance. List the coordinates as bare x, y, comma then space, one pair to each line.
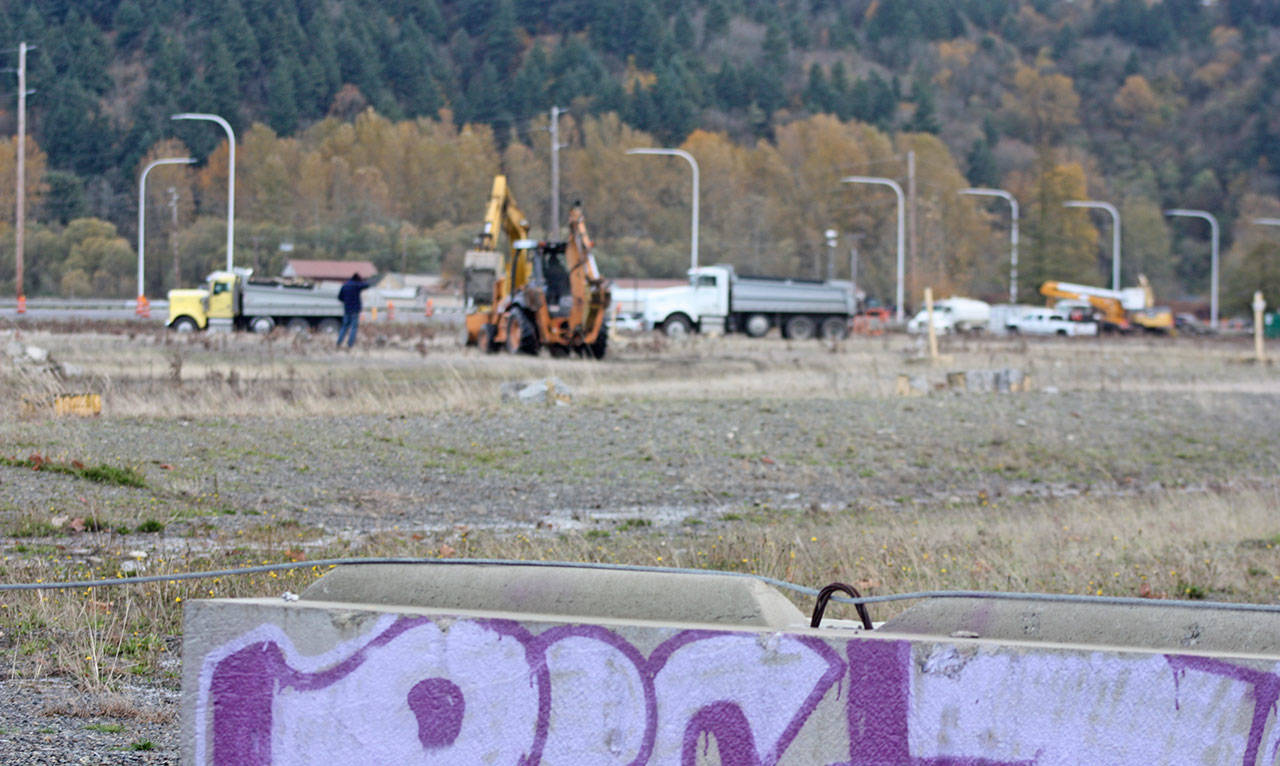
799, 327
677, 326
596, 348
184, 324
834, 328
486, 341
329, 326
298, 325
262, 325
1063, 333
757, 325
522, 336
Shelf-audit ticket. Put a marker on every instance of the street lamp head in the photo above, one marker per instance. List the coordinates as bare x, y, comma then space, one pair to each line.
831, 235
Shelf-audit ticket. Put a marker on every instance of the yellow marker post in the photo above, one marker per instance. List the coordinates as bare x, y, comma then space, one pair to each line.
1259, 306
933, 334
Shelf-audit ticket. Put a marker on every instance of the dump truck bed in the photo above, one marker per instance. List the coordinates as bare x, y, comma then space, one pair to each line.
793, 296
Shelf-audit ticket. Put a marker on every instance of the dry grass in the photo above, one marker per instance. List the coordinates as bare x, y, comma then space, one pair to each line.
158, 375
1214, 546
1223, 545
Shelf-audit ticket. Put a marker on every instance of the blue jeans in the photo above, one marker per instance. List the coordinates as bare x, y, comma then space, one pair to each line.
351, 323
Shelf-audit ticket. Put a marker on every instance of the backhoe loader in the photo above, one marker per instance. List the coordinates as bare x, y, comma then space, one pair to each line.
532, 294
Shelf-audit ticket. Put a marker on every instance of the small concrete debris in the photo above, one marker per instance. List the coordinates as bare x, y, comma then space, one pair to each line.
37, 354
1001, 381
548, 392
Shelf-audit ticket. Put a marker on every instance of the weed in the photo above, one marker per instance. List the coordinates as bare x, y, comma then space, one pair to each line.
102, 473
106, 728
635, 523
34, 528
1191, 592
143, 744
595, 534
150, 526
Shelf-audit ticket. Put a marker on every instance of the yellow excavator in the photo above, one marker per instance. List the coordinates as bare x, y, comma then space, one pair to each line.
1116, 310
532, 294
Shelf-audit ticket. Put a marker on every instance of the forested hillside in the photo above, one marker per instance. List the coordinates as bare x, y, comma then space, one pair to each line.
371, 129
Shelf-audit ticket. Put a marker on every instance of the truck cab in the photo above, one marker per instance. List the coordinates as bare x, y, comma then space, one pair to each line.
195, 309
680, 310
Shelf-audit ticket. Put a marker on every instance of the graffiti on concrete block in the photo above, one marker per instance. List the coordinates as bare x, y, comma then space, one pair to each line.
477, 691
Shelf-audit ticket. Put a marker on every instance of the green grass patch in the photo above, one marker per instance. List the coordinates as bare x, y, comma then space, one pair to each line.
106, 728
101, 473
150, 527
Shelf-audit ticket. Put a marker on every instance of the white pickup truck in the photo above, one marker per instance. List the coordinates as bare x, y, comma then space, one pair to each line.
717, 298
1049, 322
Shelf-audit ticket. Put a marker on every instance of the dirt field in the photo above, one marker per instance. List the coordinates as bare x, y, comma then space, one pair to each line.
1133, 466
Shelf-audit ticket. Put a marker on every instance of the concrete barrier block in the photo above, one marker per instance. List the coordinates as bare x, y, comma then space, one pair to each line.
304, 682
670, 597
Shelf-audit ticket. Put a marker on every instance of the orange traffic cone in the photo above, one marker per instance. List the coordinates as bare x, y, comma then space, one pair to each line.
144, 307
391, 312
431, 308
22, 304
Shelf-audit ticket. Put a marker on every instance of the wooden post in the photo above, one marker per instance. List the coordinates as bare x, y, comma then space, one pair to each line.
933, 333
1259, 306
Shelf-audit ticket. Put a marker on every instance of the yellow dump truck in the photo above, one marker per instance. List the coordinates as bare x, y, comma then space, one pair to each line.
234, 300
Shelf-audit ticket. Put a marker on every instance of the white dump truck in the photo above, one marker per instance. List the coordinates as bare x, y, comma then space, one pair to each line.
717, 299
234, 300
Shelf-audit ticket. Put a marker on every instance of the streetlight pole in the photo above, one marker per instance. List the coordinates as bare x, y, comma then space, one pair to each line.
693, 164
1115, 233
1213, 263
143, 309
21, 198
1013, 233
897, 189
553, 230
231, 176
832, 235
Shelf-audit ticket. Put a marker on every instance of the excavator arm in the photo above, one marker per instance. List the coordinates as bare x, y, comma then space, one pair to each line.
590, 294
491, 276
1105, 301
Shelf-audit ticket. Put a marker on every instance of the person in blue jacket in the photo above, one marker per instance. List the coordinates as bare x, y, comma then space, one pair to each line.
349, 294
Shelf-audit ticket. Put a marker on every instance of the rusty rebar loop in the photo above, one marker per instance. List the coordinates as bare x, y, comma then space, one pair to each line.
824, 596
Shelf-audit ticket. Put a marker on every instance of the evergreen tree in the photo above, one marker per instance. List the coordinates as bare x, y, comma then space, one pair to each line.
674, 108
502, 43
817, 93
529, 89
130, 25
924, 120
219, 82
728, 89
716, 23
282, 104
839, 88
982, 165
683, 36
776, 46
409, 72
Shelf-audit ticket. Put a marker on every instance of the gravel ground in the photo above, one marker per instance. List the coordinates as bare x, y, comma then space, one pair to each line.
666, 459
518, 467
48, 722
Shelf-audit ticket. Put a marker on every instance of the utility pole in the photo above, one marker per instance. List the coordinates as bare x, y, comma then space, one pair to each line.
20, 228
553, 230
173, 236
911, 217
